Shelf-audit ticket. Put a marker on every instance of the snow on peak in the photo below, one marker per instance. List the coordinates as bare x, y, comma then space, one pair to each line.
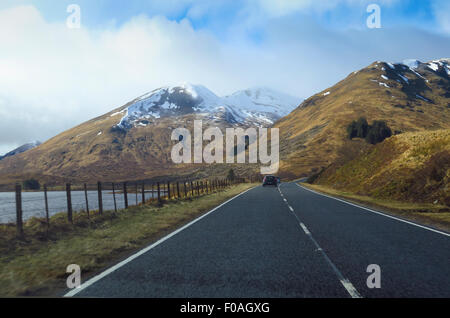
434, 65
23, 148
262, 100
257, 104
412, 63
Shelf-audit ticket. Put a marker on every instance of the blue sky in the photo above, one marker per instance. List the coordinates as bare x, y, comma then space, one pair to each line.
221, 13
54, 77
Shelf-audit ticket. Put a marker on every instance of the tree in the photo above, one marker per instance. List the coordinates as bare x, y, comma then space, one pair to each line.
358, 128
375, 133
231, 175
351, 130
378, 132
362, 127
31, 184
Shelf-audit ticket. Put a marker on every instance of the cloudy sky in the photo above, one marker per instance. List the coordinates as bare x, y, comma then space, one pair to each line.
53, 77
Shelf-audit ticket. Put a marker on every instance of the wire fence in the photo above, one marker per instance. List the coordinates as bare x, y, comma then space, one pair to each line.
97, 198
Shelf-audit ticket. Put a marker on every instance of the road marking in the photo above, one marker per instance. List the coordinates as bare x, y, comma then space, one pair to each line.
307, 232
145, 250
284, 199
353, 292
344, 281
377, 212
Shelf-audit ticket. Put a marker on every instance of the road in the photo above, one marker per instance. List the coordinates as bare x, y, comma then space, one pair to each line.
284, 242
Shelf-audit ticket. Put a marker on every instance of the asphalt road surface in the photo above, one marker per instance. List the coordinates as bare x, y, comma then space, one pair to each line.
285, 242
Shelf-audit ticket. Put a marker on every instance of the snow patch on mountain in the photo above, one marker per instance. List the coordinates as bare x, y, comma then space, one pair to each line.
434, 65
257, 105
261, 103
21, 149
412, 63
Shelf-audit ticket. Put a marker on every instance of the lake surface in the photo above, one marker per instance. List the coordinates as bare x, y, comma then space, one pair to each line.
33, 203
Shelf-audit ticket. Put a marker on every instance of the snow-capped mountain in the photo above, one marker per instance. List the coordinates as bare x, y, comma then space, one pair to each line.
409, 96
21, 149
435, 65
259, 106
263, 103
440, 67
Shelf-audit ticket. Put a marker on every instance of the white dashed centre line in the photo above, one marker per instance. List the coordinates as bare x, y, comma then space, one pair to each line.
344, 281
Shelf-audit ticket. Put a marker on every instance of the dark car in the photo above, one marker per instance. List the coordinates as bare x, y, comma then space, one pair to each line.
270, 180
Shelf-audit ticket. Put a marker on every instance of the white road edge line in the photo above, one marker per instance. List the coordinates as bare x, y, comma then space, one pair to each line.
353, 292
145, 250
377, 212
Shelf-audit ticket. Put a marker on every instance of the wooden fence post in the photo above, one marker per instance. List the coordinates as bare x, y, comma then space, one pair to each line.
143, 193
125, 195
178, 189
206, 186
164, 191
192, 188
168, 190
100, 199
114, 196
19, 221
198, 189
185, 189
86, 199
47, 217
159, 192
69, 203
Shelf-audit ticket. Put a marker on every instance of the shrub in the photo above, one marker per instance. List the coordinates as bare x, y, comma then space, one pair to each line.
31, 184
315, 175
375, 133
230, 175
351, 130
358, 128
378, 132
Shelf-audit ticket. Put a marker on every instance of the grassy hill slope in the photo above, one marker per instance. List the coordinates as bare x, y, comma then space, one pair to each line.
314, 135
411, 167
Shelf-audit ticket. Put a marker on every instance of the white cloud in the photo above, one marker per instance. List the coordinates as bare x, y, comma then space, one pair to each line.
53, 78
441, 10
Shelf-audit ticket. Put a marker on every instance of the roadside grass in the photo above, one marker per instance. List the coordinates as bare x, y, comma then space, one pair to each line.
434, 215
36, 265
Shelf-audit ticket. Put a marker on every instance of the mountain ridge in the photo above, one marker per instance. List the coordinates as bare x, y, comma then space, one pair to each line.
133, 141
21, 149
409, 99
258, 106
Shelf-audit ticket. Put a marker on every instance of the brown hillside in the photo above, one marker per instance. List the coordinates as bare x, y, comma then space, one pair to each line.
408, 167
314, 135
96, 151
